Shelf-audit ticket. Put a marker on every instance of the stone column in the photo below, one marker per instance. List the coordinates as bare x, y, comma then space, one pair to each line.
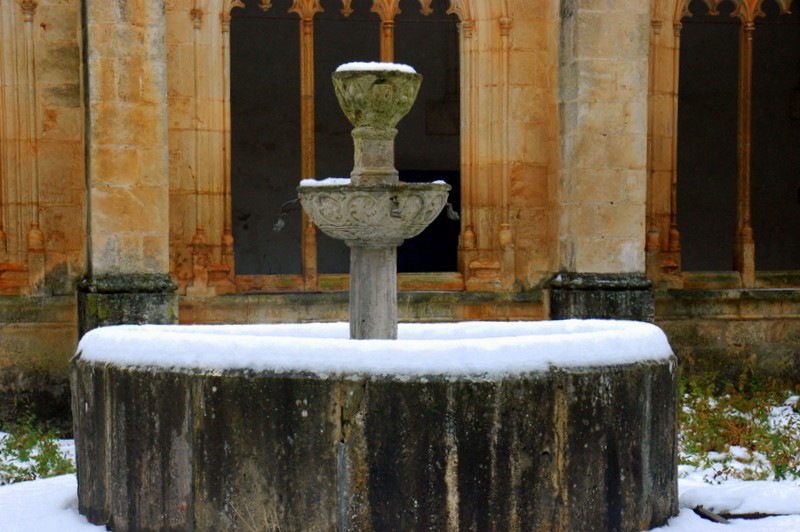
603, 111
373, 293
127, 164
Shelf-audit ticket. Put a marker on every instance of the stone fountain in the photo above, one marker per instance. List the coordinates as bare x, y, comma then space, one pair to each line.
374, 213
554, 426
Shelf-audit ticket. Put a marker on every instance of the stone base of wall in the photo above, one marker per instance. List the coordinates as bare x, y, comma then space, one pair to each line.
729, 332
37, 339
126, 298
626, 296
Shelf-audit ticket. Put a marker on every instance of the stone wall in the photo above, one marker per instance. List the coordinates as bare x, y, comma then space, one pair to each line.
42, 182
731, 332
42, 201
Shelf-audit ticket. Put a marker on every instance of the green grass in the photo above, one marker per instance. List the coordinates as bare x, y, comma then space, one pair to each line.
747, 430
28, 452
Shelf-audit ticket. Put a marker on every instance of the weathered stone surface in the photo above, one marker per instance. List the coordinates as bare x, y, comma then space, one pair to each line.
588, 448
593, 295
37, 339
126, 298
750, 340
374, 216
376, 98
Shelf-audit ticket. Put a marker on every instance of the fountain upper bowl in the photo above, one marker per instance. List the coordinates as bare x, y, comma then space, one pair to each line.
376, 98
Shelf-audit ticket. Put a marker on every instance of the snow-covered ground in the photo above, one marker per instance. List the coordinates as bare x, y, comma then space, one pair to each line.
51, 505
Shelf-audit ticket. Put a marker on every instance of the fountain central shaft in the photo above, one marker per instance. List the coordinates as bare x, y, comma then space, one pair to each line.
375, 212
373, 293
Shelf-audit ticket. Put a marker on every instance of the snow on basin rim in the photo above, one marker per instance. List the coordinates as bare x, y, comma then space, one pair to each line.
341, 181
472, 349
327, 182
374, 65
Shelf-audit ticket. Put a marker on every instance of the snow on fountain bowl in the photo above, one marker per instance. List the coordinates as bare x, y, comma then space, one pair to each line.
560, 425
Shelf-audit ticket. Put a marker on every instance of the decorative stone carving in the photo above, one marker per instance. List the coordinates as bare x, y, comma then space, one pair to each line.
374, 101
374, 216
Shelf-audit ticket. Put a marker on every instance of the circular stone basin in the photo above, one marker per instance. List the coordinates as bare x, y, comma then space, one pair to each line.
372, 216
567, 425
376, 95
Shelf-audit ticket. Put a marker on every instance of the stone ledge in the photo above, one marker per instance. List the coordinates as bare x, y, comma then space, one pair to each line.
127, 283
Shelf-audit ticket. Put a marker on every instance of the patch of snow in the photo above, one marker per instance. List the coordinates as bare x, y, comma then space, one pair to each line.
327, 182
476, 350
374, 65
46, 505
688, 521
51, 505
742, 496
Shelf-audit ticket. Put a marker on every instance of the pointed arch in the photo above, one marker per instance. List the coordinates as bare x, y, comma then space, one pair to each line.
748, 12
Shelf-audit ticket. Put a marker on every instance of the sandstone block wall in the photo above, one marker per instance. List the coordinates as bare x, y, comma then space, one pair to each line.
603, 88
127, 137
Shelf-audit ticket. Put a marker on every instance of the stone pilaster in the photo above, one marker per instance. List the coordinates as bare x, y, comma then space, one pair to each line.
626, 296
603, 186
127, 165
113, 299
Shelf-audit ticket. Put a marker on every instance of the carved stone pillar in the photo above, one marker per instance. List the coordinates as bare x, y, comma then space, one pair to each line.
127, 164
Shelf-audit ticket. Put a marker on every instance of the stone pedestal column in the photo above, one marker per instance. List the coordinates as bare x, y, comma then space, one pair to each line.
373, 293
127, 164
602, 201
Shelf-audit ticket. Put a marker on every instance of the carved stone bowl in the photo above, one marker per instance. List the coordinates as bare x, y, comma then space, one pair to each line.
376, 98
374, 216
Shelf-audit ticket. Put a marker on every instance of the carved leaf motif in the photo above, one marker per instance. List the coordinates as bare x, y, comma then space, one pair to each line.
712, 6
28, 8
197, 17
682, 10
748, 10
425, 7
459, 8
306, 9
346, 9
265, 5
235, 3
785, 6
386, 9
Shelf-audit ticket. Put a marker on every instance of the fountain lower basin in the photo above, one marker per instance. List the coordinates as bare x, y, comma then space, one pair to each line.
373, 216
544, 425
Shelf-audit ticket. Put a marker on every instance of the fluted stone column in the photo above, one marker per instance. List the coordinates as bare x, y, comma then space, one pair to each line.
603, 106
127, 165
